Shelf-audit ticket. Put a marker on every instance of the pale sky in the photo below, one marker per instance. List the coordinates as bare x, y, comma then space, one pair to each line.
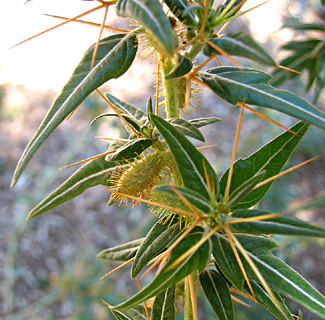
49, 60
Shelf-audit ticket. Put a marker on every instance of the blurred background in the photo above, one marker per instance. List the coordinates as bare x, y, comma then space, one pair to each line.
48, 266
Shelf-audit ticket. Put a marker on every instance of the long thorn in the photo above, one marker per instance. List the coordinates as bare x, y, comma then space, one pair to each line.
59, 25
230, 238
106, 303
288, 69
118, 268
118, 113
221, 51
259, 218
261, 115
233, 155
239, 301
88, 159
106, 6
256, 271
144, 303
283, 173
186, 213
94, 24
193, 248
192, 294
113, 139
186, 202
168, 251
207, 147
241, 293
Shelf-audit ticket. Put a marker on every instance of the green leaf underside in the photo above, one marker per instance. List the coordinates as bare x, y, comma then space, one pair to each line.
189, 160
235, 84
197, 260
270, 158
123, 252
114, 57
119, 315
277, 274
183, 67
201, 122
264, 299
217, 292
240, 44
178, 7
127, 108
193, 197
130, 150
138, 313
164, 305
95, 172
307, 26
154, 243
244, 189
150, 14
279, 225
229, 267
185, 127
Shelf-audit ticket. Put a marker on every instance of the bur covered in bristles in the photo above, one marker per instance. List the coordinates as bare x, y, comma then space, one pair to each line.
141, 175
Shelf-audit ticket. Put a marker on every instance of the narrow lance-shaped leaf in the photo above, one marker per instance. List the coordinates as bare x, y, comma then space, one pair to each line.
279, 225
183, 67
123, 252
183, 126
150, 14
217, 292
130, 150
119, 315
114, 57
164, 305
279, 275
178, 7
270, 159
191, 164
156, 240
166, 278
96, 172
240, 44
223, 254
252, 86
264, 299
195, 198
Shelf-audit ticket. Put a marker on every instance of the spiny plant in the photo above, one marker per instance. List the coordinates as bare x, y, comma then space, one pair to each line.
209, 233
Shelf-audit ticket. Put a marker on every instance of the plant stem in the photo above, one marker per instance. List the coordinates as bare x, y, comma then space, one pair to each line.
194, 50
171, 90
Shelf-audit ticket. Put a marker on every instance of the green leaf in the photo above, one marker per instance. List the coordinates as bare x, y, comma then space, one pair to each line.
244, 189
184, 127
240, 44
128, 109
264, 299
138, 313
150, 14
279, 275
164, 305
183, 67
226, 261
95, 172
307, 27
178, 7
315, 203
123, 252
270, 158
154, 243
252, 86
114, 57
195, 198
130, 150
279, 225
217, 292
190, 162
197, 260
119, 315
201, 122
